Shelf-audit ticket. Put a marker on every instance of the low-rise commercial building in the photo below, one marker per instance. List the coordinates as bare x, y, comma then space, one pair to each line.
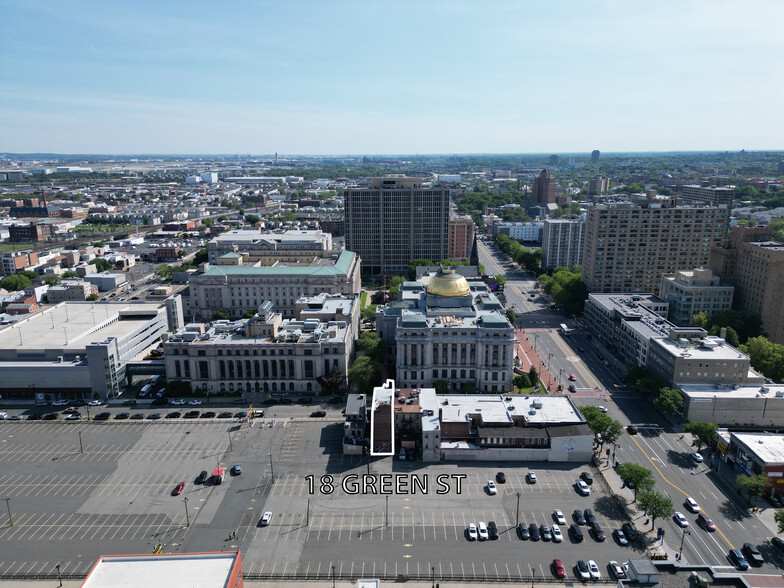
759, 453
690, 292
525, 232
70, 290
80, 349
107, 281
272, 248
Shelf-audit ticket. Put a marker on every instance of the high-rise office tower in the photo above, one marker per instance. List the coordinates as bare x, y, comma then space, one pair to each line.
562, 242
395, 220
544, 189
595, 155
629, 245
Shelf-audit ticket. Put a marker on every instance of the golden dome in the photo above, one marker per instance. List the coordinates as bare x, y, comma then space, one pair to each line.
448, 283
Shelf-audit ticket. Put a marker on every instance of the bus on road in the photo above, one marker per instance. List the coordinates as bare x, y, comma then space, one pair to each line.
565, 331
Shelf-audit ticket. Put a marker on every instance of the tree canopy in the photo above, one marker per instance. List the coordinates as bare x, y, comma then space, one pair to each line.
101, 264
636, 477
16, 282
766, 357
655, 505
754, 485
668, 401
741, 326
567, 288
372, 345
221, 315
703, 432
604, 428
364, 374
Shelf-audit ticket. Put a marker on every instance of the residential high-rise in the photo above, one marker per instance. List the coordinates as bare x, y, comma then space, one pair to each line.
461, 235
544, 189
690, 292
562, 242
598, 185
595, 155
395, 220
629, 245
755, 266
706, 195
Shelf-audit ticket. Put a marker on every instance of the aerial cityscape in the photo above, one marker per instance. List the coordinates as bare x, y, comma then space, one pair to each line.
357, 294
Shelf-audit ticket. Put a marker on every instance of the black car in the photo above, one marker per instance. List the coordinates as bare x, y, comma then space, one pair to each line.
269, 402
578, 517
34, 417
154, 416
286, 401
225, 415
318, 413
492, 529
241, 415
577, 532
630, 532
534, 530
173, 415
159, 402
587, 478
335, 400
122, 416
572, 388
191, 414
522, 531
202, 477
778, 543
102, 416
590, 518
52, 416
631, 429
753, 555
137, 416
500, 477
598, 533
208, 415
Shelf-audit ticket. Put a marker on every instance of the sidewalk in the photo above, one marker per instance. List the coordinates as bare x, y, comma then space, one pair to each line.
528, 356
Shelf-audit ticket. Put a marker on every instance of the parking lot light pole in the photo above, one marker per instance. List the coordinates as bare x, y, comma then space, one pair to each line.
59, 578
386, 513
231, 445
433, 577
272, 471
8, 506
187, 516
81, 447
533, 575
333, 576
517, 513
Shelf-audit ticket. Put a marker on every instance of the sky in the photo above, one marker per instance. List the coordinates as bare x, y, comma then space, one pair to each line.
390, 77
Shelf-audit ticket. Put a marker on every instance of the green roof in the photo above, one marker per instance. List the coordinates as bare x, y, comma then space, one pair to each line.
341, 267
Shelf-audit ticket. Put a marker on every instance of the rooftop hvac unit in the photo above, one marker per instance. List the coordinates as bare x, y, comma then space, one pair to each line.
537, 404
532, 411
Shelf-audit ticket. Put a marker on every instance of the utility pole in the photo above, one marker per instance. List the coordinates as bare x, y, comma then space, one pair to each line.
81, 447
683, 538
8, 506
187, 516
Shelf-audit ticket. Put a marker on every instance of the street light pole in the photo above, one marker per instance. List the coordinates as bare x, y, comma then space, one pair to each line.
59, 578
386, 514
272, 471
333, 576
187, 516
81, 447
683, 538
433, 577
8, 506
517, 513
231, 445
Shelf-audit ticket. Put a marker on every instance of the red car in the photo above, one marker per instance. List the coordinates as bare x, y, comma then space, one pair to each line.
560, 572
572, 377
178, 489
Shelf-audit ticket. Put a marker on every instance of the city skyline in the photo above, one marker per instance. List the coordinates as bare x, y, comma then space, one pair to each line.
390, 78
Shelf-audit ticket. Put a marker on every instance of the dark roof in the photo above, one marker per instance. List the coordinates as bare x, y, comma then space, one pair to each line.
568, 430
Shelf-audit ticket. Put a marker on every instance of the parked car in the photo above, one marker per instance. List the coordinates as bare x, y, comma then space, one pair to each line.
102, 416
752, 554
532, 477
208, 415
178, 489
583, 488
178, 402
122, 416
558, 569
192, 414
137, 416
697, 457
492, 529
202, 477
471, 532
736, 557
578, 517
195, 402
534, 530
582, 570
318, 413
52, 416
482, 530
590, 518
559, 516
557, 535
598, 533
620, 537
491, 489
577, 532
629, 531
95, 403
523, 532
60, 403
593, 569
500, 477
617, 570
236, 469
265, 519
778, 543
547, 534
173, 415
74, 416
224, 415
587, 478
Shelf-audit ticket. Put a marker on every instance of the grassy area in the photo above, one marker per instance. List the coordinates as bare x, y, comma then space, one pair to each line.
363, 300
10, 247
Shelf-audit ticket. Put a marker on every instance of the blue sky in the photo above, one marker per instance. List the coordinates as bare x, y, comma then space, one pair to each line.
375, 77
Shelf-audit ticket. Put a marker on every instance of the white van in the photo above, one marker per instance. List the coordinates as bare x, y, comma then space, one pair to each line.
145, 389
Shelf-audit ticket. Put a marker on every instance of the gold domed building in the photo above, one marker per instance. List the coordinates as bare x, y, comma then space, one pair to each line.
449, 327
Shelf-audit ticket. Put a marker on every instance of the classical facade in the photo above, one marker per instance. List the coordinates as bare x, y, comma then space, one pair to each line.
271, 248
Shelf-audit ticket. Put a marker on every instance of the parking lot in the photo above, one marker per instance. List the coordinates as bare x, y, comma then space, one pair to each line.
70, 504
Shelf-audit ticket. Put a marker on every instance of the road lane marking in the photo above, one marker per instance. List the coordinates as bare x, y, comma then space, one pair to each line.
674, 486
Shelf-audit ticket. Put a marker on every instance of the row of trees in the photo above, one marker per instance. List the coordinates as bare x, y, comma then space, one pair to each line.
741, 326
530, 260
566, 288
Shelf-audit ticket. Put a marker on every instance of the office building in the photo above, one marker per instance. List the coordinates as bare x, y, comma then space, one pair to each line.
71, 290
14, 261
395, 220
240, 289
595, 154
544, 189
525, 232
598, 185
754, 404
708, 195
444, 328
209, 177
107, 281
690, 292
267, 248
263, 355
630, 245
625, 323
562, 242
81, 349
461, 236
754, 265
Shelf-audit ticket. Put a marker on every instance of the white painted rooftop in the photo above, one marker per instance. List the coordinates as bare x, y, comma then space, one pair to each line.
767, 446
496, 409
198, 570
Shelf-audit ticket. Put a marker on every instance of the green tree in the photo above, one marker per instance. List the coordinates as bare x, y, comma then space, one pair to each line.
252, 219
634, 374
655, 505
334, 383
766, 357
499, 279
207, 222
567, 288
650, 385
92, 297
200, 257
530, 260
101, 264
368, 314
16, 282
52, 280
511, 315
778, 516
371, 344
223, 218
604, 428
703, 432
164, 271
636, 477
394, 286
441, 386
250, 314
468, 388
753, 485
364, 374
414, 263
221, 315
69, 274
521, 381
533, 376
668, 401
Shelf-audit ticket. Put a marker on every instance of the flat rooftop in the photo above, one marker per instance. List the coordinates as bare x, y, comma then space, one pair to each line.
254, 236
321, 266
74, 325
772, 391
198, 570
766, 446
721, 351
501, 409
